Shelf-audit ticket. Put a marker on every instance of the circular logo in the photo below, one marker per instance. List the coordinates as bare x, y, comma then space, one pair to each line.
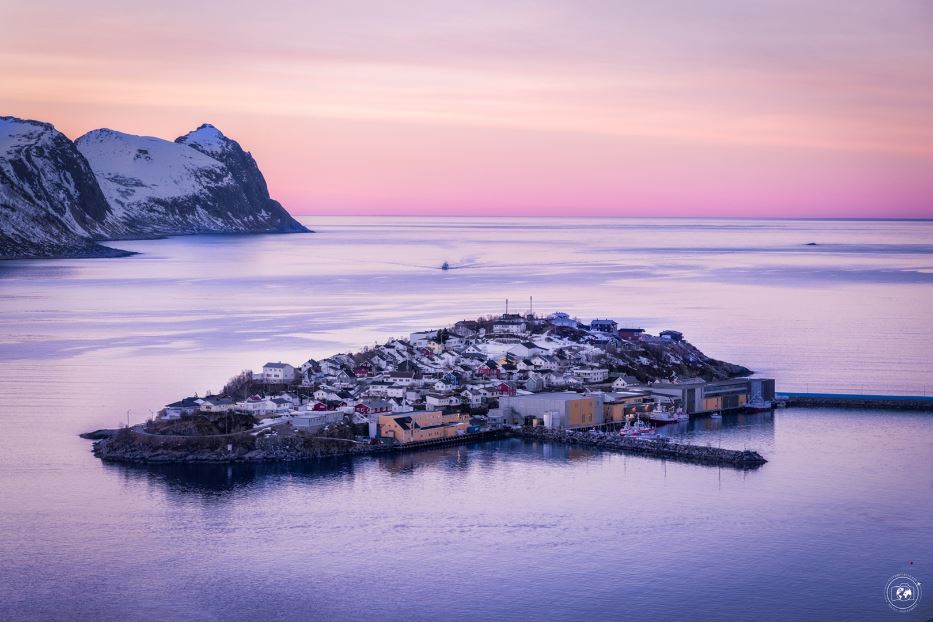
902, 592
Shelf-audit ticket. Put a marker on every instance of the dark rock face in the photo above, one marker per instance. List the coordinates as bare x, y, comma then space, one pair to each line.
243, 168
58, 197
50, 202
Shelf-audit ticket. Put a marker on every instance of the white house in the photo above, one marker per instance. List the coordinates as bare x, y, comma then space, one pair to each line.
434, 400
591, 374
509, 325
256, 405
422, 338
217, 404
176, 410
279, 373
624, 381
472, 396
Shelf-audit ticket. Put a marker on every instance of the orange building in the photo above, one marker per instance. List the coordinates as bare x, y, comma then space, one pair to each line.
415, 427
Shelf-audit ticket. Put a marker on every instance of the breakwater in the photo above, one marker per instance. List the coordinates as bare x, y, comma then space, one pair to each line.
886, 402
659, 448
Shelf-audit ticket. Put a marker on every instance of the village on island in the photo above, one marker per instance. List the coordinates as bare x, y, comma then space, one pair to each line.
511, 370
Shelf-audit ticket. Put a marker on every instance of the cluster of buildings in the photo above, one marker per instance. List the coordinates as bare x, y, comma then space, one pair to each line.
512, 368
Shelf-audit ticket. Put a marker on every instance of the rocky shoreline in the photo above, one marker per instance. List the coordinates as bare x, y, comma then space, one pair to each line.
130, 446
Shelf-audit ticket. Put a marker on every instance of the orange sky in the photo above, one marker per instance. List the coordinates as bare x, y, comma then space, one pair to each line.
606, 108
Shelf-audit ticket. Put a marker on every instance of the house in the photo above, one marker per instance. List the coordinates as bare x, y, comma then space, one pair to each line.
317, 406
561, 319
315, 421
535, 383
624, 381
281, 405
373, 407
603, 326
472, 396
401, 406
257, 405
466, 328
544, 362
510, 325
402, 378
278, 373
506, 388
422, 338
437, 400
525, 349
217, 404
631, 334
181, 408
591, 374
380, 388
489, 369
672, 335
394, 391
417, 427
345, 378
447, 382
362, 371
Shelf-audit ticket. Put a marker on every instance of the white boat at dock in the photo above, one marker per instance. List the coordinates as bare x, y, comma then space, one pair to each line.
661, 416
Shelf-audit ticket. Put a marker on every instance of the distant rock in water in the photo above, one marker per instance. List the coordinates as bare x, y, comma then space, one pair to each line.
58, 197
811, 244
50, 202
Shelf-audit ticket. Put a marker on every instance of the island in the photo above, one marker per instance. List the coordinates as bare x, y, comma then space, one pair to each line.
545, 378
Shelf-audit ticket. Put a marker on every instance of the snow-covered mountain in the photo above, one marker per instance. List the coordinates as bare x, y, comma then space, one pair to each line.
50, 202
158, 187
57, 197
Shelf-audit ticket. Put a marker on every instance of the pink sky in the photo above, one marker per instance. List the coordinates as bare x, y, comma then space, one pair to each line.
716, 108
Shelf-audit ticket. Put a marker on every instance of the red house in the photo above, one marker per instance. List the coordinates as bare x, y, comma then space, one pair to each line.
489, 369
319, 406
362, 371
506, 388
372, 408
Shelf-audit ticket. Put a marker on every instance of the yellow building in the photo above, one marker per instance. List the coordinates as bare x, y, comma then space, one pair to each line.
415, 427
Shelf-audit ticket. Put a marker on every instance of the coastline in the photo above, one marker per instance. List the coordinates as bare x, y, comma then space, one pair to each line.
130, 446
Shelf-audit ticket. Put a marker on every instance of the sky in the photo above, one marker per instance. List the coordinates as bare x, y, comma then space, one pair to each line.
745, 108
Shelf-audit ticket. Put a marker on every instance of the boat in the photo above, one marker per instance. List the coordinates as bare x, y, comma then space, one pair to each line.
716, 416
638, 430
445, 266
758, 405
660, 416
681, 415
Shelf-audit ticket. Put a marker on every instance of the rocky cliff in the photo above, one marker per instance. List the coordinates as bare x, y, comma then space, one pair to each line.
50, 202
59, 198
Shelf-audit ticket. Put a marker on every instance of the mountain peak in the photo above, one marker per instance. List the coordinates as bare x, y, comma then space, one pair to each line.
207, 139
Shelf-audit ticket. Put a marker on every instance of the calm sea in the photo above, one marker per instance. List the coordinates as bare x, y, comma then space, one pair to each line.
506, 530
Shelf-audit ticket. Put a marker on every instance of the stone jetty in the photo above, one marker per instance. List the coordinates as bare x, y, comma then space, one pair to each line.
658, 448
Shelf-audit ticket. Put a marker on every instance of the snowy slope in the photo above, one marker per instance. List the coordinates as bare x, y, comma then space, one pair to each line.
158, 187
210, 141
50, 203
